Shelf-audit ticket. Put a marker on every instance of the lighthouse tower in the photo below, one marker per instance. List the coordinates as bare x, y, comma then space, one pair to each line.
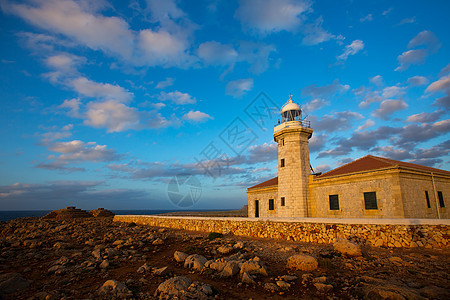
292, 135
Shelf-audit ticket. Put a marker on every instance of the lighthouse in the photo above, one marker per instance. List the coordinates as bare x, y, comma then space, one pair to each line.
292, 135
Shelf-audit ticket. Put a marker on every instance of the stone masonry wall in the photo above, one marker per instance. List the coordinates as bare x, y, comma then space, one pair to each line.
432, 235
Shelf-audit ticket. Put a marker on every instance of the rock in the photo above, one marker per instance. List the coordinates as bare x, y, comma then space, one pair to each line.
55, 268
289, 277
283, 284
247, 278
216, 265
198, 290
158, 241
230, 269
434, 292
306, 278
102, 213
396, 260
346, 247
302, 262
161, 271
62, 261
12, 282
97, 254
224, 249
113, 286
112, 252
180, 256
321, 279
389, 291
118, 242
104, 264
253, 267
144, 268
271, 287
238, 245
175, 286
195, 261
323, 288
379, 243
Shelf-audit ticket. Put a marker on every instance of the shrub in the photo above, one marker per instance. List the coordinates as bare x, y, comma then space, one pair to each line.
214, 235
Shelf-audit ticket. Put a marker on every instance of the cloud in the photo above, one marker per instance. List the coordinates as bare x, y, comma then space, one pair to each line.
370, 96
196, 116
89, 88
393, 153
369, 18
393, 91
75, 152
322, 168
57, 134
73, 106
238, 88
408, 21
256, 54
317, 142
65, 62
417, 80
442, 85
315, 104
112, 115
377, 80
352, 49
270, 16
429, 44
215, 53
367, 124
445, 71
425, 117
165, 83
315, 34
177, 97
83, 24
326, 90
336, 122
388, 107
266, 152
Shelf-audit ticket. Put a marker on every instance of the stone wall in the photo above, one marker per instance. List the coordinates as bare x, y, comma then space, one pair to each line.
379, 233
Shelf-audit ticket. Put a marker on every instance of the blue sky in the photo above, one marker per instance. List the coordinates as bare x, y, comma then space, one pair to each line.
103, 103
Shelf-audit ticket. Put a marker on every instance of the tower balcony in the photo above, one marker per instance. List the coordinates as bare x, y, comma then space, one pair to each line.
292, 125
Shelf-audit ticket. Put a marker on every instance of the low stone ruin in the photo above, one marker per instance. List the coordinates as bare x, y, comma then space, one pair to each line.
70, 212
101, 213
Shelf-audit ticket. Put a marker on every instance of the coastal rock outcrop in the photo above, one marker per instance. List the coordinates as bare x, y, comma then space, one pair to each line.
70, 212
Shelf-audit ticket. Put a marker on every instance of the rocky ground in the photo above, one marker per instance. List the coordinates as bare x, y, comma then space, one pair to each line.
95, 258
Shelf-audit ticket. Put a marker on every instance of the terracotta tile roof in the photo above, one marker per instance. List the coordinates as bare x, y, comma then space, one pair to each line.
371, 162
270, 182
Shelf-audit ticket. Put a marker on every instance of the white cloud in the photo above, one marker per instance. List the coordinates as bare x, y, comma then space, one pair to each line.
196, 116
93, 89
369, 17
215, 53
352, 49
425, 117
443, 84
256, 54
64, 62
411, 57
112, 115
177, 98
392, 92
73, 106
407, 21
417, 80
270, 16
425, 39
367, 124
315, 104
57, 134
377, 80
388, 107
240, 87
315, 34
326, 90
165, 83
83, 24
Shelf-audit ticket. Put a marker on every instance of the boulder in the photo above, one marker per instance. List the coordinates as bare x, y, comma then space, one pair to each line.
231, 268
283, 284
144, 268
104, 264
323, 288
247, 278
254, 268
161, 271
195, 261
175, 286
347, 247
180, 256
224, 249
113, 286
102, 213
271, 287
302, 262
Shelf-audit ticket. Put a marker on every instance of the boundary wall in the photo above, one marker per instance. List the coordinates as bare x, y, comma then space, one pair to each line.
408, 233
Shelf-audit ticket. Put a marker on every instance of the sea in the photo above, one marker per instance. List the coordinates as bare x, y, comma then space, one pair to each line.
6, 215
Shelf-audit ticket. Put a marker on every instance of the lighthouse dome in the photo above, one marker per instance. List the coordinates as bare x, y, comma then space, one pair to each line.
291, 111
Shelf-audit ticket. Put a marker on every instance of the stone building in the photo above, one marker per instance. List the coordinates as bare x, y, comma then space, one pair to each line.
369, 187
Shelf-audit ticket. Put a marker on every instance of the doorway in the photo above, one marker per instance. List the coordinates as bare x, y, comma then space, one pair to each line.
256, 208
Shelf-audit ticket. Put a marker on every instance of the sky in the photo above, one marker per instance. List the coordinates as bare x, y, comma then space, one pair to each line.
166, 104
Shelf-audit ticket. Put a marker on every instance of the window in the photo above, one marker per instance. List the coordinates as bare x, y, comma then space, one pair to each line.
271, 206
441, 199
428, 199
282, 162
283, 201
334, 202
282, 141
370, 200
